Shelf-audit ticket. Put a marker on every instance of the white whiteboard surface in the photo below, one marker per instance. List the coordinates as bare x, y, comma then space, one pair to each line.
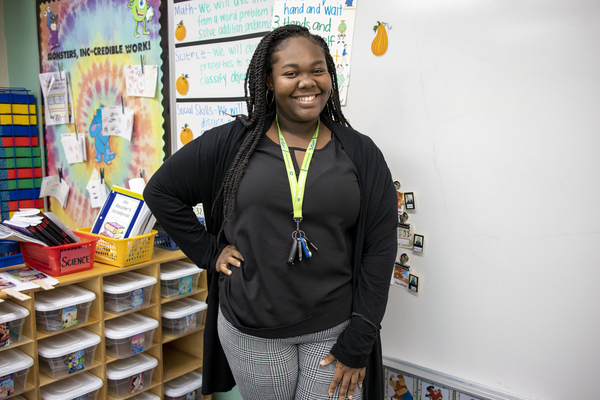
489, 112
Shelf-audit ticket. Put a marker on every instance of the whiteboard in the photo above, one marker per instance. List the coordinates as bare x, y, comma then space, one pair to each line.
488, 112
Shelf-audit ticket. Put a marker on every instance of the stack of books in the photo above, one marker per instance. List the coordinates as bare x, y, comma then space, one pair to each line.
123, 215
20, 162
35, 226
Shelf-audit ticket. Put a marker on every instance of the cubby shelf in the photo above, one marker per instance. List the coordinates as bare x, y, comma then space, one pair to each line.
176, 355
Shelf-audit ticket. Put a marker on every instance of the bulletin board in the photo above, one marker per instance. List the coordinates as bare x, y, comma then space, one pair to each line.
93, 40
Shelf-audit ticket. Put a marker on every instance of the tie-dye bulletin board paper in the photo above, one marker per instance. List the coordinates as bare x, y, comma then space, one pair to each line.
95, 40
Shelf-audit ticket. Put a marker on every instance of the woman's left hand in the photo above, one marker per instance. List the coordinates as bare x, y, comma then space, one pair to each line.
349, 377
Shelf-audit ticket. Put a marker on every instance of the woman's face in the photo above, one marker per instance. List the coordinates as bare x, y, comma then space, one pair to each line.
300, 80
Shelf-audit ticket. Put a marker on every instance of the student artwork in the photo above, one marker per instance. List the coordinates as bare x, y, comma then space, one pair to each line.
74, 147
56, 187
380, 44
400, 275
141, 81
97, 189
117, 121
58, 99
96, 50
429, 391
405, 235
400, 387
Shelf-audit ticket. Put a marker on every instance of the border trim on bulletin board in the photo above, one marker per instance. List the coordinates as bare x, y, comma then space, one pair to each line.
454, 384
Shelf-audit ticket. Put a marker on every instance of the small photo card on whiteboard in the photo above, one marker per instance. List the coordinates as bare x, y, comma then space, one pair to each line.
400, 275
429, 391
409, 200
399, 386
413, 283
418, 242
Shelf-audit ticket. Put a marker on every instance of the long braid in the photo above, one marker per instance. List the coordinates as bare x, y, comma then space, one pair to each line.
255, 90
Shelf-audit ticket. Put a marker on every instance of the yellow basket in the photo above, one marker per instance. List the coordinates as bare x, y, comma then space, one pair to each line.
122, 252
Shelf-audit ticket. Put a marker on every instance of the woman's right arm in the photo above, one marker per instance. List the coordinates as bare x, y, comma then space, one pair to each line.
172, 192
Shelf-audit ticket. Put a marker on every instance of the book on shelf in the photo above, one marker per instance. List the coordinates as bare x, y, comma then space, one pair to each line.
20, 162
20, 173
19, 141
123, 215
6, 152
39, 226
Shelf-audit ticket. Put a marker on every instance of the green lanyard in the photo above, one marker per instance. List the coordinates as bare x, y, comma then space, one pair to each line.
297, 186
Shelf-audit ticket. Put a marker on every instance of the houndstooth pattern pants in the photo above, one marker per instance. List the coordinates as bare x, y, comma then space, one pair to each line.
281, 369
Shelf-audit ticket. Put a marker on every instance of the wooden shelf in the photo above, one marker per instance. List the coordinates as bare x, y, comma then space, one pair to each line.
109, 315
199, 291
176, 363
46, 380
155, 383
169, 338
176, 355
44, 335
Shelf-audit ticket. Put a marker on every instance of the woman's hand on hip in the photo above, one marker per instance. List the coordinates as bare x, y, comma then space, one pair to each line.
348, 377
229, 256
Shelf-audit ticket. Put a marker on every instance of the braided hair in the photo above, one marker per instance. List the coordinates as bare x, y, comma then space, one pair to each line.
255, 92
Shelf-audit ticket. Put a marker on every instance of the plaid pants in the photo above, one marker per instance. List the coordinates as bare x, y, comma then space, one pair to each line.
281, 369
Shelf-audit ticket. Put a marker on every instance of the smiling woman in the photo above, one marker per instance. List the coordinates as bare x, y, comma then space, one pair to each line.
289, 317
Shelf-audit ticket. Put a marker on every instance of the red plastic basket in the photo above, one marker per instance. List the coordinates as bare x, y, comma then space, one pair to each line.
60, 260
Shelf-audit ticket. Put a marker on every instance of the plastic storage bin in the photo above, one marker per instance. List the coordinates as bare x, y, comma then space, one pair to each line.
62, 308
178, 278
121, 252
188, 386
182, 316
82, 386
129, 335
14, 366
12, 317
126, 377
67, 353
145, 396
127, 291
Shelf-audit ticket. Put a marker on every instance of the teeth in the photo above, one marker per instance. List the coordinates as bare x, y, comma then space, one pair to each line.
308, 98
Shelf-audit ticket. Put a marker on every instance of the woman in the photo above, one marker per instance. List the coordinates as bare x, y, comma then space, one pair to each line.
298, 282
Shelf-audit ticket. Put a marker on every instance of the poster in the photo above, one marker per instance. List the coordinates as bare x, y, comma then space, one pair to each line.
213, 42
333, 20
93, 41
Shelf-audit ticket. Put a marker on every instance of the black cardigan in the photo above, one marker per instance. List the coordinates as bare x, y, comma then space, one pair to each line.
194, 174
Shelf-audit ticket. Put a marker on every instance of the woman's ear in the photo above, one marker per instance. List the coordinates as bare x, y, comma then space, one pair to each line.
269, 81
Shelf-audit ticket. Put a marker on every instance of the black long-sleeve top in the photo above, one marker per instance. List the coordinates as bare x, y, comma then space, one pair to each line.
267, 297
194, 175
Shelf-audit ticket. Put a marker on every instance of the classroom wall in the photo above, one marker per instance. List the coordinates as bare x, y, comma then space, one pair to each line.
488, 111
3, 65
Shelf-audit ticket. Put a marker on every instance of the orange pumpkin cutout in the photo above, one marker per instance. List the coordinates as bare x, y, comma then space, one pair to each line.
182, 85
186, 135
380, 43
180, 31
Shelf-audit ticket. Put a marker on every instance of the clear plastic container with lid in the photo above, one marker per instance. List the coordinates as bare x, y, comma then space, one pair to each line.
182, 316
178, 278
127, 291
186, 387
129, 376
145, 396
81, 386
67, 353
14, 367
12, 317
129, 335
62, 308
